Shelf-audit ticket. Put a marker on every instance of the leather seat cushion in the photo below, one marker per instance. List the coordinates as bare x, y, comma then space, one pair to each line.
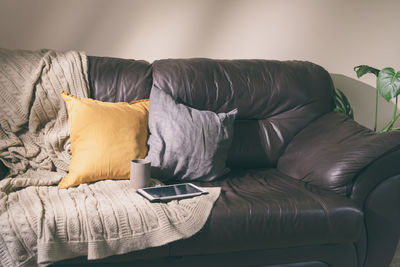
264, 208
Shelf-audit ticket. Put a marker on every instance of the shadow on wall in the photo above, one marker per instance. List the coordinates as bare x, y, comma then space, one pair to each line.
362, 99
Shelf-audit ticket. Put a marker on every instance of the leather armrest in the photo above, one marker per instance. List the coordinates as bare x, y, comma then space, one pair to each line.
334, 150
373, 175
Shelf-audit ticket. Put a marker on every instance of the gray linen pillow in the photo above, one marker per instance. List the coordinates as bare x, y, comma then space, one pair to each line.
186, 143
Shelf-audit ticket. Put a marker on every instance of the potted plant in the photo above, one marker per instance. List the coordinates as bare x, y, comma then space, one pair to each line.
388, 86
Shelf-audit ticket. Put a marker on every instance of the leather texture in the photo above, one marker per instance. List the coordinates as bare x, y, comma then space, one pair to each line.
264, 216
383, 222
301, 264
376, 190
119, 80
128, 259
247, 149
260, 209
331, 151
375, 173
361, 246
278, 97
332, 255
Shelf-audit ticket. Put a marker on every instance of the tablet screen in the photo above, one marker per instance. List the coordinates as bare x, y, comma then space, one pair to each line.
172, 191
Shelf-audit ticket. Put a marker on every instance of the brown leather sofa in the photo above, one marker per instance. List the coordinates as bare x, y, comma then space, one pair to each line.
307, 187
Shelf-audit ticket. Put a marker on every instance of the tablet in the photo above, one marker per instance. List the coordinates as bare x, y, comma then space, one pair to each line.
170, 192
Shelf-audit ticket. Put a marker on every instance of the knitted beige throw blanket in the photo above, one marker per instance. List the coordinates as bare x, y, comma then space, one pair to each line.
40, 223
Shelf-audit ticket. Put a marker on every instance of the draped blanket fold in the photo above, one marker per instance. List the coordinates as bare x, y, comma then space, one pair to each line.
40, 223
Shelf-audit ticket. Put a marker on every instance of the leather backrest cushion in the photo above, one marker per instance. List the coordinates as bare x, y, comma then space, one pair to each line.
119, 80
275, 99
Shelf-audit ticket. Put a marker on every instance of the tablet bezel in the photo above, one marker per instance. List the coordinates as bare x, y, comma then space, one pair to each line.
168, 198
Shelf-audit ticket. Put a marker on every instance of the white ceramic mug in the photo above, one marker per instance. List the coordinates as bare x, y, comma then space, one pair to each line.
140, 173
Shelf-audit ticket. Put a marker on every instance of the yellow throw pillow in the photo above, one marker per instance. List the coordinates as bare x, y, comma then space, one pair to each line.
105, 137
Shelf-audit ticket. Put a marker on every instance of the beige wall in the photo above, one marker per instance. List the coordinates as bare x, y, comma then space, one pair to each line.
337, 34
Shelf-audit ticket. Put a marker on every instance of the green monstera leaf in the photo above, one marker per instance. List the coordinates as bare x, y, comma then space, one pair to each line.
364, 69
388, 83
388, 86
342, 104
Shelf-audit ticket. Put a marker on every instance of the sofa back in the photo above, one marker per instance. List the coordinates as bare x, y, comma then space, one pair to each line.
118, 80
275, 99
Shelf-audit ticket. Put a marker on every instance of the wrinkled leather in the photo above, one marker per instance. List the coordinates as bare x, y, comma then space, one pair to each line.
264, 215
247, 148
279, 97
119, 80
260, 209
331, 151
